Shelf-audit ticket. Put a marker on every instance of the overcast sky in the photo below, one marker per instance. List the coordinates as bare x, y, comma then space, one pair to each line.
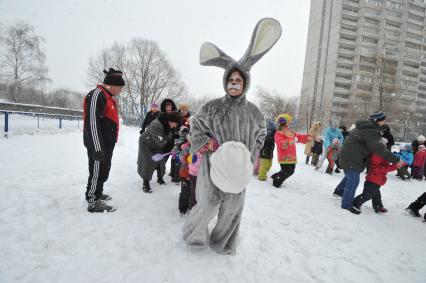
76, 29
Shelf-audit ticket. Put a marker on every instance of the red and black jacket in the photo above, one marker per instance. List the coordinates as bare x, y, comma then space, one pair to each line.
100, 120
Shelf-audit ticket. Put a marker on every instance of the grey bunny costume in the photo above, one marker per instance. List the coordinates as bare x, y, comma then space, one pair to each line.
227, 119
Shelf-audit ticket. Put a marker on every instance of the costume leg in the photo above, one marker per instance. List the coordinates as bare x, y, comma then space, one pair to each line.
224, 236
195, 230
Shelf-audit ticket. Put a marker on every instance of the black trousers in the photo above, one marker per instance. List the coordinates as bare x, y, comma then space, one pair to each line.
419, 202
98, 173
185, 192
286, 171
371, 191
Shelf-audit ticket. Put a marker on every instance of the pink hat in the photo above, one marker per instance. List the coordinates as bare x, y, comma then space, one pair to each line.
154, 105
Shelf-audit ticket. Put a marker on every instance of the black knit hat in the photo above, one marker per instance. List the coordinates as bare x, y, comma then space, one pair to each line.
173, 117
377, 116
114, 77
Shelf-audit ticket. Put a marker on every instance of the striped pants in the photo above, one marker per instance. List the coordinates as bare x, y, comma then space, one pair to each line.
98, 174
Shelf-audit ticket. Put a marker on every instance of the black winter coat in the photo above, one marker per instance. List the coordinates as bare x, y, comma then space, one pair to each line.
361, 142
317, 148
150, 116
267, 151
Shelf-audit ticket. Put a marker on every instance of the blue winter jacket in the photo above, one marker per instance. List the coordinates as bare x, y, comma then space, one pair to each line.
406, 156
330, 134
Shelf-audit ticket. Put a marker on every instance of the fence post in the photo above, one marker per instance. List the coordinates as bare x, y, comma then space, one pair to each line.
60, 122
38, 123
6, 123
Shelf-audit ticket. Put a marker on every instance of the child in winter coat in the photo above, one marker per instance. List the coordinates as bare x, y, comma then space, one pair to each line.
378, 167
183, 133
285, 139
417, 168
185, 190
332, 155
406, 154
267, 152
316, 150
194, 163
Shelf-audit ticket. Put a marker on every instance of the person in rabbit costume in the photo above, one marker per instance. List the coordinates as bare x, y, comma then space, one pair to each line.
238, 127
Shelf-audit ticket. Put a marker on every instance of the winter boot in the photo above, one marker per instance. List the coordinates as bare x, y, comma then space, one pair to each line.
380, 210
329, 170
160, 180
337, 170
413, 209
99, 206
146, 187
337, 194
106, 197
277, 180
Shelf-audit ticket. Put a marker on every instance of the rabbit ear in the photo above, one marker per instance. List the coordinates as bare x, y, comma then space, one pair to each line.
211, 55
265, 35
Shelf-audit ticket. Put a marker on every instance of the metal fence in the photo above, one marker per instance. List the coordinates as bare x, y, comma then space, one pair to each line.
20, 121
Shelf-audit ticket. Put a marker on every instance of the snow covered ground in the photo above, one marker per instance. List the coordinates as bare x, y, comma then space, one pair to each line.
29, 124
297, 233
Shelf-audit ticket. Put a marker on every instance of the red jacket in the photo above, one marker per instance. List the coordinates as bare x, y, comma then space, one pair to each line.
378, 168
285, 141
419, 159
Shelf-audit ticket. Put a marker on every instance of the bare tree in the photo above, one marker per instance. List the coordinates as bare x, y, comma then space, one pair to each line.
22, 60
273, 104
384, 79
148, 73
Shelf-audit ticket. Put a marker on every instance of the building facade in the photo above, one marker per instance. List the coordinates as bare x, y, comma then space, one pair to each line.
365, 55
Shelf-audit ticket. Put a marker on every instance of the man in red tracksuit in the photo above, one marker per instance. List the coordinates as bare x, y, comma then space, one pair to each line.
100, 135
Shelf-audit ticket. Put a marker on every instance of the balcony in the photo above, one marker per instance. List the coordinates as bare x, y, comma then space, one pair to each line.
347, 42
348, 23
347, 32
343, 71
350, 5
350, 14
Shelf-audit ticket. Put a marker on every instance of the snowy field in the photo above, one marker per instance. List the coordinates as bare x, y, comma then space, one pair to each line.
297, 233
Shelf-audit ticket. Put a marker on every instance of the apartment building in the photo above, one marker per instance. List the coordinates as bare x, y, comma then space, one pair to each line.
363, 55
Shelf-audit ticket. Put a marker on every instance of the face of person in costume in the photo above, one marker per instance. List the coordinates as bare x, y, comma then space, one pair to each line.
235, 84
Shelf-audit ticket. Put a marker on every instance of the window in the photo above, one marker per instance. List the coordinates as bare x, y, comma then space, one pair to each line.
414, 36
342, 85
341, 95
343, 76
364, 79
371, 21
417, 8
369, 40
364, 68
393, 14
413, 45
339, 105
410, 74
392, 33
377, 3
349, 68
415, 17
414, 26
367, 59
368, 50
364, 87
395, 5
411, 65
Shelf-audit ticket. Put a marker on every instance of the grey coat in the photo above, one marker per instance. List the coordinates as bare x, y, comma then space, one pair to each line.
152, 141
